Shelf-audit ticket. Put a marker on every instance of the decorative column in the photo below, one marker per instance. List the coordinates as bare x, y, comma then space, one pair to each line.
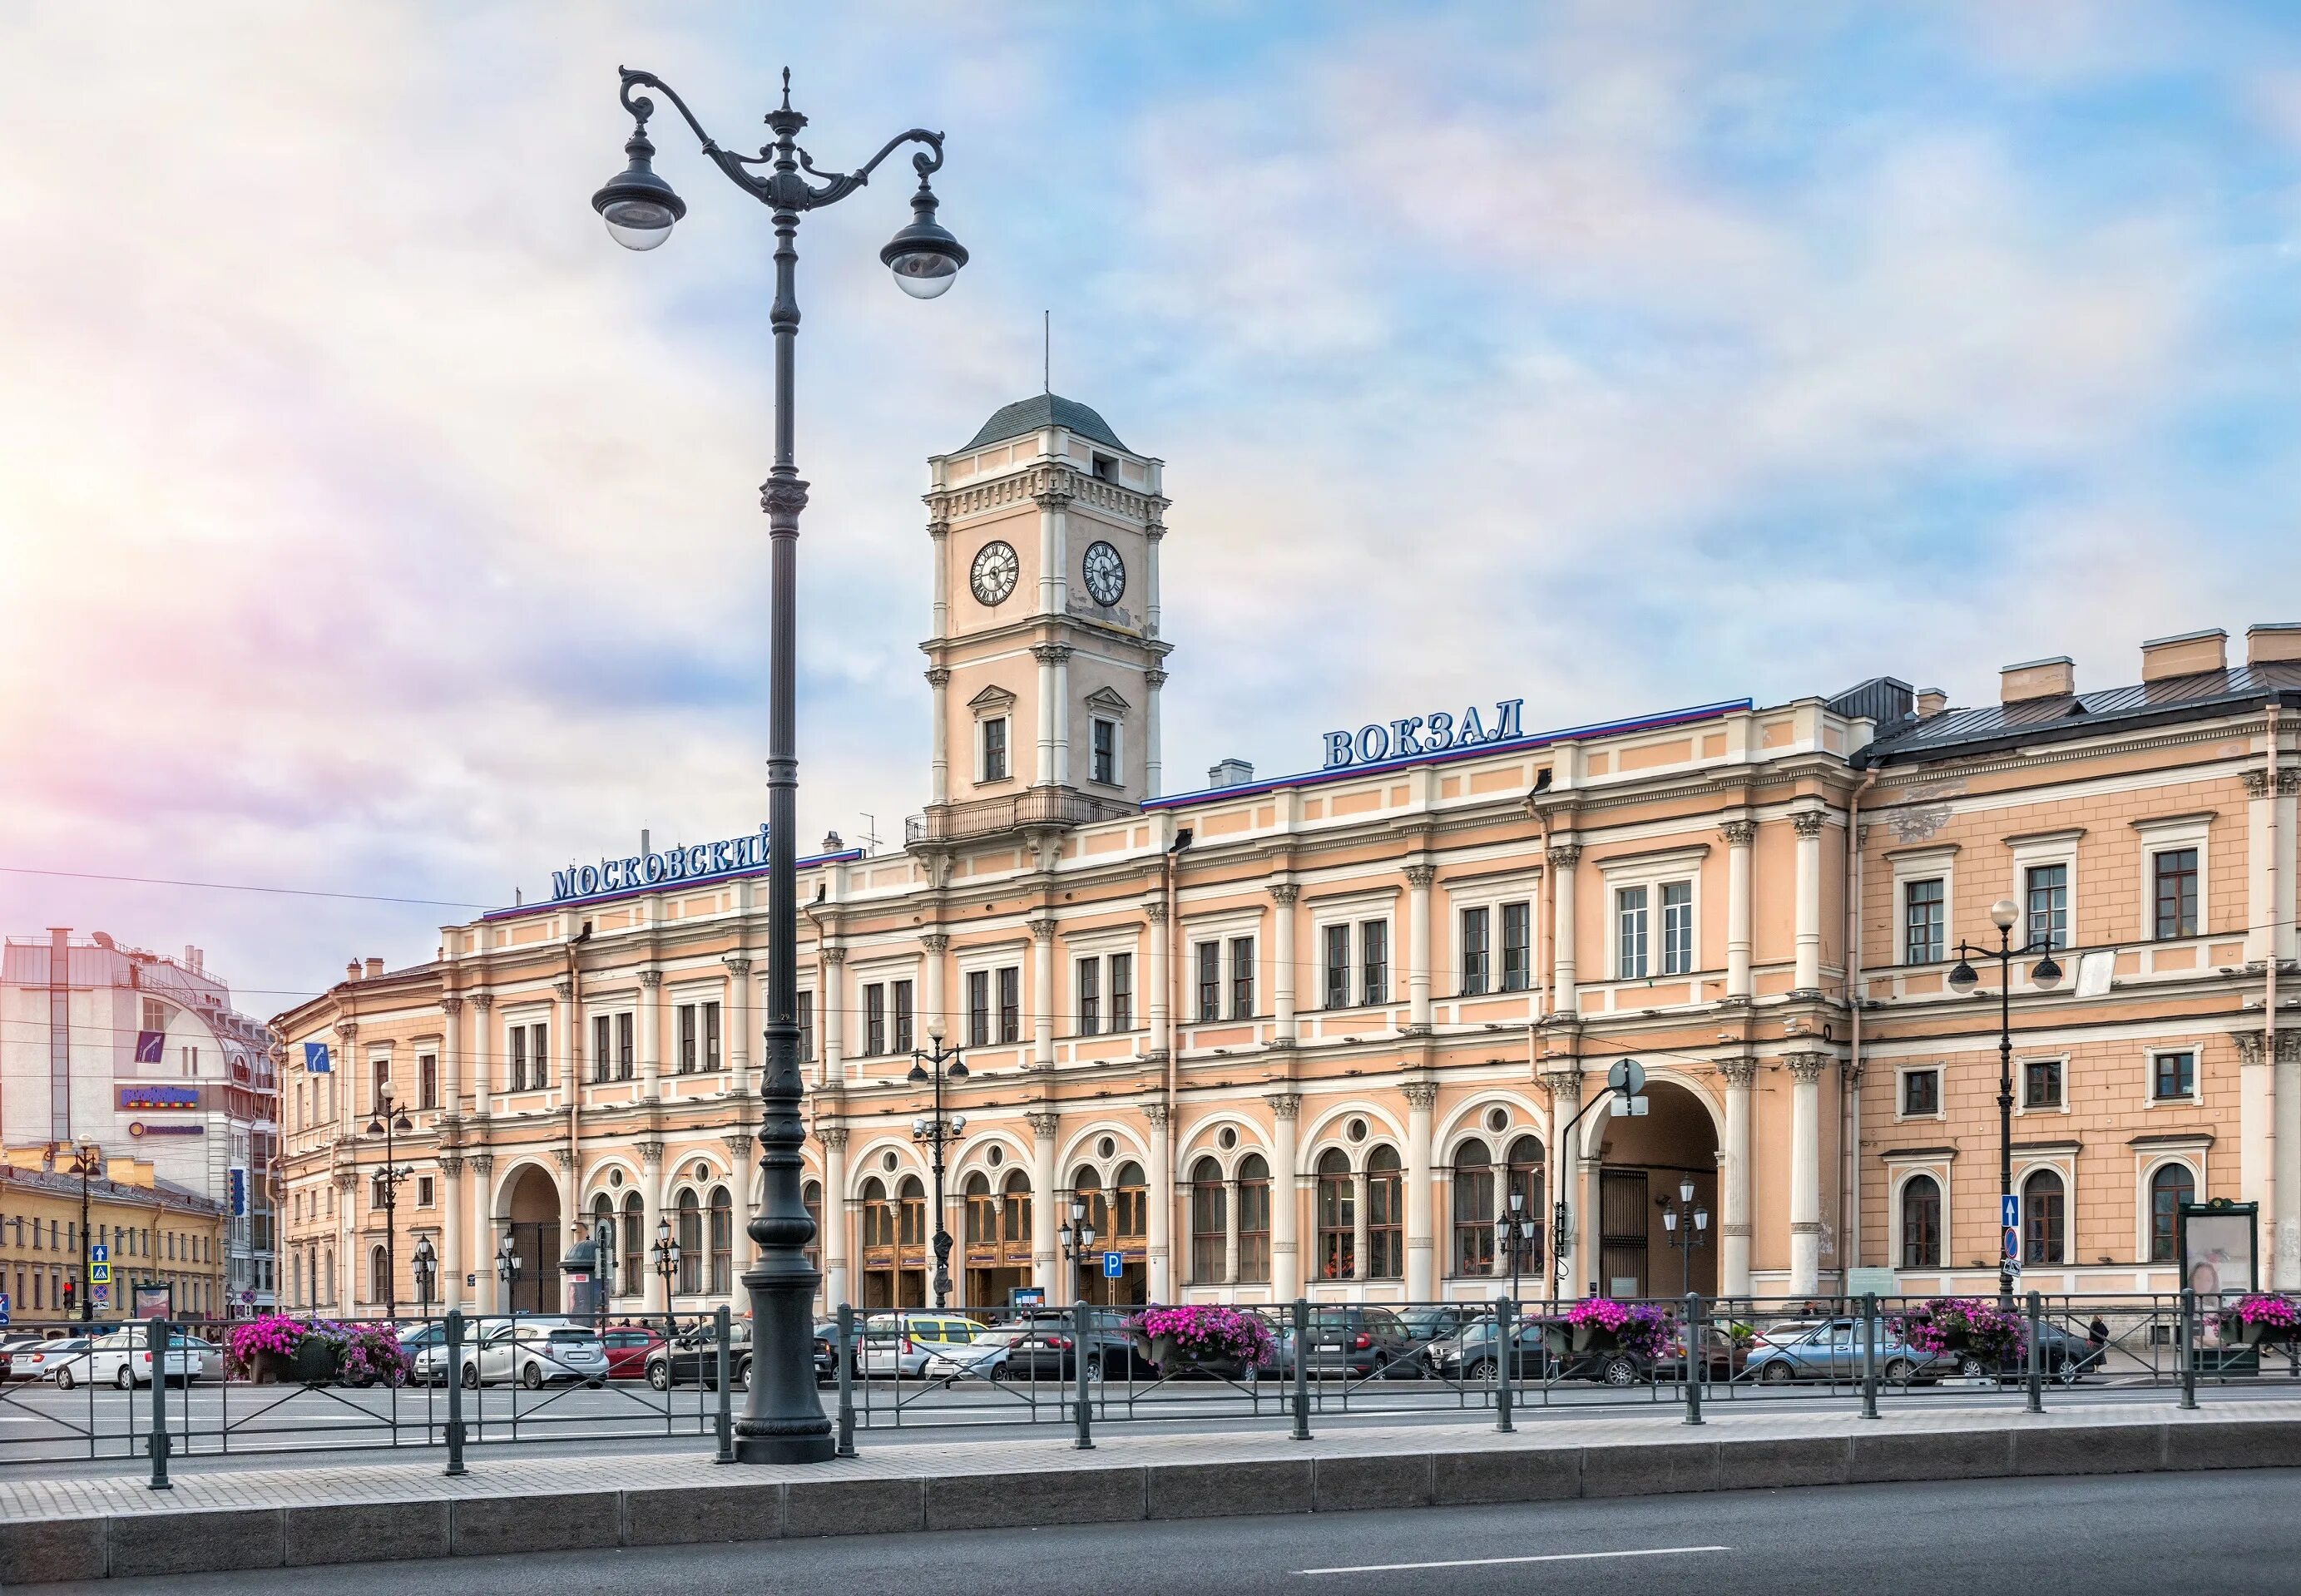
1418, 878
1283, 897
1563, 858
2256, 1113
1162, 1020
1161, 1274
1808, 823
1739, 835
1230, 1230
650, 1042
1049, 656
738, 1027
1565, 1083
483, 1056
939, 779
1042, 994
739, 1154
351, 1266
935, 944
566, 1022
830, 1009
1046, 1204
833, 1139
1286, 1200
451, 1233
1153, 770
1421, 1245
451, 1057
343, 1099
484, 1237
1733, 1197
1358, 1227
2286, 1185
1806, 1170
650, 1217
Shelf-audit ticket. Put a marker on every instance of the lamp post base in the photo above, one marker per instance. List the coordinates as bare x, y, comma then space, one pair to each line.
783, 1448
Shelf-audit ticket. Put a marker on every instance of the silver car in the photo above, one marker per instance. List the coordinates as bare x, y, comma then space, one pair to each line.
533, 1352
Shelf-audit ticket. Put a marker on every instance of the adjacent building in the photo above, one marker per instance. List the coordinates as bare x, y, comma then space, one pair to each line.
166, 1248
1315, 1034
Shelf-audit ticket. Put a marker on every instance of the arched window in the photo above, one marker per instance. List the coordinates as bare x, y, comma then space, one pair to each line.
1474, 1209
2169, 1186
1209, 1223
1524, 1176
2044, 1240
981, 1212
811, 1197
329, 1298
1921, 1212
1254, 1218
723, 1242
1337, 1207
379, 1275
690, 1244
1386, 1215
1132, 1205
296, 1280
878, 1216
911, 1202
1015, 1219
1086, 1191
635, 1241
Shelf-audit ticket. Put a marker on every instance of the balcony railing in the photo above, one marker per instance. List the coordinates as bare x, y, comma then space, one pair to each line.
1040, 807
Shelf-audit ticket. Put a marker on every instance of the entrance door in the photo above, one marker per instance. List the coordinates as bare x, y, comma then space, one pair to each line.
1622, 1232
537, 1244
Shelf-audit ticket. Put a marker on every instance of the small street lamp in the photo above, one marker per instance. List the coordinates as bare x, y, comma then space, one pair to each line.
426, 1265
507, 1271
390, 1123
2045, 974
1077, 1238
88, 1163
1688, 1227
939, 1064
666, 1264
1514, 1233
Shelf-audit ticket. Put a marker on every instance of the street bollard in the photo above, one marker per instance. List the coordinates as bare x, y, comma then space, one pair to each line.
1697, 1358
1505, 1320
2036, 1403
2187, 1348
1302, 1369
156, 1338
452, 1370
1083, 1318
1868, 1355
722, 1329
846, 1353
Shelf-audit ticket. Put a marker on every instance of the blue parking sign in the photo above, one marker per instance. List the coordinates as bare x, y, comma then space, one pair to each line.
1114, 1265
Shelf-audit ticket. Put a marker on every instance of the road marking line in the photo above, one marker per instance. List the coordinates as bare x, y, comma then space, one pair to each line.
1554, 1557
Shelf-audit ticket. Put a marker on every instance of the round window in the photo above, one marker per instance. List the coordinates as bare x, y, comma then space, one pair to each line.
614, 1177
702, 1173
998, 1157
1226, 1138
1105, 1146
1356, 1130
1497, 1119
889, 1162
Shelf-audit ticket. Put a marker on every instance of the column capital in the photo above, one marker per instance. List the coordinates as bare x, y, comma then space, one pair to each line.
1043, 1123
1155, 678
1566, 856
738, 965
1808, 822
2288, 781
1740, 833
1156, 911
831, 953
938, 675
1420, 876
650, 978
345, 1179
1284, 894
484, 1002
2252, 1046
451, 1005
1805, 1068
738, 1144
483, 1165
2256, 782
833, 1137
563, 990
1158, 1113
565, 1156
1421, 1094
650, 1152
1051, 654
937, 942
1042, 930
1740, 1074
348, 1029
1284, 1104
1566, 1082
451, 1165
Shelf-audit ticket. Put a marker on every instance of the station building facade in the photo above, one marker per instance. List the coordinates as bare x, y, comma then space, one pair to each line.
1314, 1035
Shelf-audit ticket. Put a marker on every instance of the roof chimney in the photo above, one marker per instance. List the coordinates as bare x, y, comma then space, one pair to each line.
2272, 640
2054, 678
351, 969
1230, 773
1931, 701
374, 968
2186, 655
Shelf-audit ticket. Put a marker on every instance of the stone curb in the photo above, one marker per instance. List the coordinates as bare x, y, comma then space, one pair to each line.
206, 1540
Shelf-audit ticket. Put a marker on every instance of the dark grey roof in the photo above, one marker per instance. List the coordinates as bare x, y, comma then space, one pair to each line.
1025, 416
2199, 697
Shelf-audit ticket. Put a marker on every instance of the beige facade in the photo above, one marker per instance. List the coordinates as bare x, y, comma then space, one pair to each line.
1309, 1036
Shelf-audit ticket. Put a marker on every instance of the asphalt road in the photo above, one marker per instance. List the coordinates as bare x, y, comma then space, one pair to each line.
2232, 1534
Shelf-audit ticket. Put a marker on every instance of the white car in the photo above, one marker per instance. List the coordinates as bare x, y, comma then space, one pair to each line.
123, 1357
985, 1357
62, 1359
534, 1352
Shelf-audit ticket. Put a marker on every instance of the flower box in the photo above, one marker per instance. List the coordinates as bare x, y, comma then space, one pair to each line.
1207, 1336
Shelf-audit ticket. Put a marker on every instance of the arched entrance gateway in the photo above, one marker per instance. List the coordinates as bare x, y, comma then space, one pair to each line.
528, 1210
1641, 1165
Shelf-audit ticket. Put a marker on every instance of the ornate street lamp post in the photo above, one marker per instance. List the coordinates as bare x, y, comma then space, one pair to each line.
88, 1163
1078, 1240
426, 1263
1688, 1228
2045, 974
666, 1264
1516, 1231
507, 1271
939, 1064
390, 1123
783, 1419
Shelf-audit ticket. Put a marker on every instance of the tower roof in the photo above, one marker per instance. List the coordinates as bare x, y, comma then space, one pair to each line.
1025, 416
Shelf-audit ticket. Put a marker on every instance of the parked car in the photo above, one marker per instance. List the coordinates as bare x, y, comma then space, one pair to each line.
1357, 1343
1049, 1348
692, 1358
11, 1347
62, 1359
1469, 1355
2063, 1356
121, 1357
826, 1351
628, 1349
1833, 1350
915, 1344
535, 1352
988, 1355
1432, 1322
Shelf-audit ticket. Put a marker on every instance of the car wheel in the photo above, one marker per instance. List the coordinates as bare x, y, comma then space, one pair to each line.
743, 1376
1477, 1370
659, 1375
1898, 1371
1776, 1374
66, 1379
1620, 1372
999, 1371
126, 1379
2070, 1372
470, 1377
1095, 1371
1970, 1366
595, 1383
531, 1376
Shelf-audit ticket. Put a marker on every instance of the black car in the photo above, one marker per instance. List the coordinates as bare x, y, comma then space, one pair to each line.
1469, 1355
1359, 1342
1050, 1348
693, 1359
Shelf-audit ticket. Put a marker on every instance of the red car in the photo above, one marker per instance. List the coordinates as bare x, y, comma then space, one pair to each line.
628, 1348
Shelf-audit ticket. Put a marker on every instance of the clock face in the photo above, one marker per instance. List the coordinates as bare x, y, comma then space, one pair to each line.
994, 572
1106, 574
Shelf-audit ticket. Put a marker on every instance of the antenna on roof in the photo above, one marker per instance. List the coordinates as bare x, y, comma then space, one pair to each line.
1047, 353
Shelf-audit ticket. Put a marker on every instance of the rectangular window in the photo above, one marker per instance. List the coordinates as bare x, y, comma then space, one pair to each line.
2048, 891
1209, 957
1122, 991
1475, 954
1921, 1092
2175, 871
603, 1036
2174, 1075
807, 1025
1923, 929
2041, 1084
1677, 928
1374, 960
1090, 997
380, 1089
1241, 978
1630, 934
710, 1036
427, 1080
424, 1190
1517, 947
538, 1049
994, 748
874, 1019
516, 1079
687, 1039
1010, 1004
1105, 752
623, 1047
978, 1008
905, 1011
1338, 966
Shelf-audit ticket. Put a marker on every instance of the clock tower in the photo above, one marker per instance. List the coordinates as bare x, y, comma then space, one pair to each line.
1045, 656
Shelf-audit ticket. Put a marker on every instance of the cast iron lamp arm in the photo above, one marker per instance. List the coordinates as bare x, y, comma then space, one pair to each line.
798, 193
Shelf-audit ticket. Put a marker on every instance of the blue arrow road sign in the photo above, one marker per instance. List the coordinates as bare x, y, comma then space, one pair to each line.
1114, 1265
4, 1307
100, 1253
2010, 1211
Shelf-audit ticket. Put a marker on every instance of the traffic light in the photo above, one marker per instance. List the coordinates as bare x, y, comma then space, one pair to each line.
71, 1295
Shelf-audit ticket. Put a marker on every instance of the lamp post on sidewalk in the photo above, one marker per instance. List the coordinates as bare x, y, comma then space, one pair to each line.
939, 1064
86, 1163
1078, 1240
783, 1419
666, 1264
1688, 1228
2044, 975
425, 1262
390, 1123
508, 1271
1516, 1231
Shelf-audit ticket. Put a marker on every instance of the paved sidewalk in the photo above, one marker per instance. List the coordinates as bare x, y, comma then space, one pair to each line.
246, 1518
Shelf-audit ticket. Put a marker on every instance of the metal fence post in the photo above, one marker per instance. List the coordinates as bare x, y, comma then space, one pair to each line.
1081, 1318
156, 1338
2187, 1349
722, 1329
1697, 1358
1302, 1369
2036, 1403
452, 1369
1505, 1322
846, 1352
1868, 1355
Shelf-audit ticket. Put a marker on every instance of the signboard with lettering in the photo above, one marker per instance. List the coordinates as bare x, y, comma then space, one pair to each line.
1419, 734
138, 1129
150, 1097
702, 862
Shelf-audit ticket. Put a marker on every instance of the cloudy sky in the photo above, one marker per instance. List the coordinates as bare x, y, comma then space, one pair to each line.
370, 524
